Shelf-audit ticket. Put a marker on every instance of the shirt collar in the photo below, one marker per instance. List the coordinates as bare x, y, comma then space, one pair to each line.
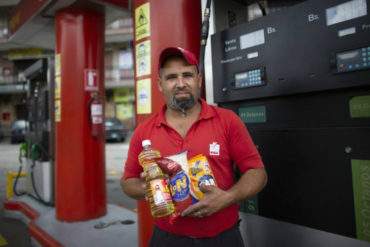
206, 113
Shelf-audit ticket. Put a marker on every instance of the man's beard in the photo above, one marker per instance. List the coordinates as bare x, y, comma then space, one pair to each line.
183, 103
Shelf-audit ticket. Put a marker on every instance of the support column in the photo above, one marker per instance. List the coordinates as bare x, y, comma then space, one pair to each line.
159, 24
79, 82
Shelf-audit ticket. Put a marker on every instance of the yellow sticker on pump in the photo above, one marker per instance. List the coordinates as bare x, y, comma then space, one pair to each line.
200, 172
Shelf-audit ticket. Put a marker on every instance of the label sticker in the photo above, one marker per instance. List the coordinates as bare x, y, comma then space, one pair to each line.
142, 21
143, 64
57, 64
359, 106
96, 109
97, 120
144, 96
57, 89
160, 191
251, 205
214, 149
361, 194
91, 80
58, 111
252, 114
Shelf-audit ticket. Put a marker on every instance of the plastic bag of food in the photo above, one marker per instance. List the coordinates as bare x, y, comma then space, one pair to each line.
179, 185
200, 172
182, 159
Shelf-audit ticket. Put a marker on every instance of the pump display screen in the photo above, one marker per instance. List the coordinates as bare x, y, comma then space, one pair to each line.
252, 39
353, 59
346, 11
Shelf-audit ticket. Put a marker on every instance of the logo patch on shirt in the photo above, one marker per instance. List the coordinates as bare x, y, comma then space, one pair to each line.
214, 149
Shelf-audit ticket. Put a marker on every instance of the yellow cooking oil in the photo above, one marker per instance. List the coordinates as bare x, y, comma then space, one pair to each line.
158, 193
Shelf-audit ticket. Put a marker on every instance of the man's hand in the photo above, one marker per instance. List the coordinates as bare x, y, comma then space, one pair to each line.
143, 185
135, 187
214, 200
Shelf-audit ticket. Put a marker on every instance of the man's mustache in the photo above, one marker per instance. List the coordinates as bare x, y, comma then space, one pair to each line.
182, 91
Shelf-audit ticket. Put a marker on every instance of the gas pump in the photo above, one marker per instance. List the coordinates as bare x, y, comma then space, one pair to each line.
35, 152
298, 77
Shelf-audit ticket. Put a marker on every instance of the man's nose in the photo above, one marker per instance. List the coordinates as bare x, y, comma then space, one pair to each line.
180, 82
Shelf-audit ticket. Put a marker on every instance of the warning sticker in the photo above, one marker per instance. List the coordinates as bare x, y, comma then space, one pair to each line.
96, 109
57, 64
142, 21
143, 65
144, 96
91, 80
58, 110
57, 87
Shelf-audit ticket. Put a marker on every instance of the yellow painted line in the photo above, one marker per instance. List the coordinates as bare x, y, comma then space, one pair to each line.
3, 241
113, 173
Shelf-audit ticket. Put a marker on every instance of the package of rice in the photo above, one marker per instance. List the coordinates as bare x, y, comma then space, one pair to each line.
179, 183
182, 159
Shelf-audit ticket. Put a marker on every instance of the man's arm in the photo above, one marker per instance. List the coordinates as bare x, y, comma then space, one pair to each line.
134, 187
216, 199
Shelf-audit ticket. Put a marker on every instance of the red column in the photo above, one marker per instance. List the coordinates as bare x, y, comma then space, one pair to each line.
171, 23
80, 188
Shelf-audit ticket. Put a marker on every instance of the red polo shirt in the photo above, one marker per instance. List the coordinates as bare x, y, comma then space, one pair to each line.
222, 137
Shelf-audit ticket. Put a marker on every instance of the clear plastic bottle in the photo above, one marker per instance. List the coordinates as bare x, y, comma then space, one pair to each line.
158, 192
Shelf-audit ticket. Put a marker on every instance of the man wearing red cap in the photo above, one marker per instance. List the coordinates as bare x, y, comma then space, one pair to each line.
187, 122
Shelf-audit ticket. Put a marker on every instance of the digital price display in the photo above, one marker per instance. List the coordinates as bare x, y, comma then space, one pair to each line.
252, 39
346, 11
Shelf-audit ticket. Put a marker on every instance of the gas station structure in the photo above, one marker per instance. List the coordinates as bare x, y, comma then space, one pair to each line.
77, 92
296, 73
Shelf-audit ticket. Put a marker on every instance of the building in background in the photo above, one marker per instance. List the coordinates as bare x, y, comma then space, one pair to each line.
119, 71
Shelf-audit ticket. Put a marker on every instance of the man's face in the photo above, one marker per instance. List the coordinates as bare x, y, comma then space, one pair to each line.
180, 83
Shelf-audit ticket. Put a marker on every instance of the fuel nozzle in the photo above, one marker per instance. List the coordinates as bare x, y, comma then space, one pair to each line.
22, 151
35, 151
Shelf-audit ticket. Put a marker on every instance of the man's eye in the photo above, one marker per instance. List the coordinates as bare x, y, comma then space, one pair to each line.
188, 75
170, 77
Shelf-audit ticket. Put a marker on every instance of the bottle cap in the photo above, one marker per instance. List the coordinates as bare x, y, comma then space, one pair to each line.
146, 143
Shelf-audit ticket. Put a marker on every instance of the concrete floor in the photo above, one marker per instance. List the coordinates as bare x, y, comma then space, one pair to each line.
14, 232
254, 228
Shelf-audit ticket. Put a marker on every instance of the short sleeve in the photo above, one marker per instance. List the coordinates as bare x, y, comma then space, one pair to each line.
132, 166
242, 147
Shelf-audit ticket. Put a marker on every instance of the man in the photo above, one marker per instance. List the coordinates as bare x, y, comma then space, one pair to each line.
187, 122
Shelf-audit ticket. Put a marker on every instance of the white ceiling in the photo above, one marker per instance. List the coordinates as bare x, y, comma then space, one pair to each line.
39, 31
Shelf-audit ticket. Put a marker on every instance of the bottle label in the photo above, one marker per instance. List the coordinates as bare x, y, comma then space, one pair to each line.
160, 191
180, 186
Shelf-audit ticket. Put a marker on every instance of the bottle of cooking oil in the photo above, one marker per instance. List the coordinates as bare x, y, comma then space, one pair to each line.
158, 193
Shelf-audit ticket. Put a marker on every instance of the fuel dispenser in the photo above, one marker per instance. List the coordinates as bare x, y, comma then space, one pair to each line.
299, 78
35, 153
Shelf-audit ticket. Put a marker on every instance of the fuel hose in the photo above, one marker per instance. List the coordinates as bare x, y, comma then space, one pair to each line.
204, 36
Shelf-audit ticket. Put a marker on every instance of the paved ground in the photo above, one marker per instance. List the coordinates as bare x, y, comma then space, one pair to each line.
14, 232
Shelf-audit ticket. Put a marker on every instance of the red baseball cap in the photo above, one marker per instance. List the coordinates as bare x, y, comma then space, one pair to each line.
170, 51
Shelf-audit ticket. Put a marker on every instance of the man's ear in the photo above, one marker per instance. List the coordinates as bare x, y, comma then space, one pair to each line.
159, 84
200, 78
